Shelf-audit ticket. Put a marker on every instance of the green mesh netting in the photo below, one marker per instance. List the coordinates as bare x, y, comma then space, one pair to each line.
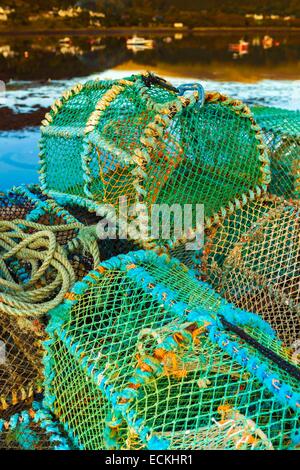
214, 403
143, 355
32, 429
138, 138
281, 130
252, 259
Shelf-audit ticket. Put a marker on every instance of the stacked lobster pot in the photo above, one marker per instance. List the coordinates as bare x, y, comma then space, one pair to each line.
281, 131
156, 346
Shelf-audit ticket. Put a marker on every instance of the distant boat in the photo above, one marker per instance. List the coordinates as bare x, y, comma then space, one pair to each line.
242, 47
136, 49
138, 41
96, 45
65, 41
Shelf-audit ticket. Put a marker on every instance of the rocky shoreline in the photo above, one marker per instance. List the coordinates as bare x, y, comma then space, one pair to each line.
9, 120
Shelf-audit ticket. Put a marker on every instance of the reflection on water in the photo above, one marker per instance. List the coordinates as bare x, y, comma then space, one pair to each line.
255, 68
203, 56
243, 47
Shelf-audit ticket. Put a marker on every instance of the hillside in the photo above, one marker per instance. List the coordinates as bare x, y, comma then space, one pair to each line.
155, 12
280, 7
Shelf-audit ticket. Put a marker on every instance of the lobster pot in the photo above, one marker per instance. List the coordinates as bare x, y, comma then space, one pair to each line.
21, 367
252, 259
21, 349
21, 341
86, 213
197, 395
34, 206
281, 130
138, 138
14, 206
101, 358
32, 429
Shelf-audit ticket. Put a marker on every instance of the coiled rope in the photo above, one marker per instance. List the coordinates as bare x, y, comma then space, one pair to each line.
50, 275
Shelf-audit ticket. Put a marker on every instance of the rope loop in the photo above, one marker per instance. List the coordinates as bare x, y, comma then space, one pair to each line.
49, 274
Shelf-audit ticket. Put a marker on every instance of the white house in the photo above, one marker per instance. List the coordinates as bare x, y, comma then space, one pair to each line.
255, 16
70, 12
95, 14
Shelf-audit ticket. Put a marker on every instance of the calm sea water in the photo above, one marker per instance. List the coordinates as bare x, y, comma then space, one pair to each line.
252, 67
